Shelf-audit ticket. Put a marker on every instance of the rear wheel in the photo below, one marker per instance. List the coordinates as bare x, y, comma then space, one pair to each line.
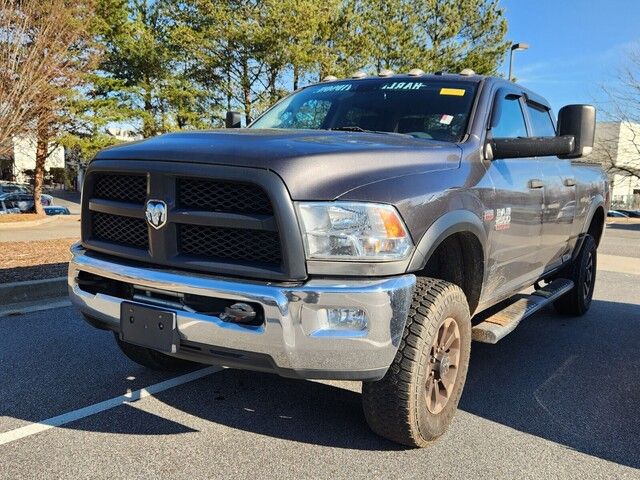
583, 274
153, 359
416, 400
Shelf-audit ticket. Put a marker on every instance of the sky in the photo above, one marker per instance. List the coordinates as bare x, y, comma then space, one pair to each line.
575, 46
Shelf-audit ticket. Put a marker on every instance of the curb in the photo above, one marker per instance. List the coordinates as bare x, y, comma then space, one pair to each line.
33, 290
33, 223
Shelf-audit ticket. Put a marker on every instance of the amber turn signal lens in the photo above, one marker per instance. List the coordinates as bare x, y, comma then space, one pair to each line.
392, 224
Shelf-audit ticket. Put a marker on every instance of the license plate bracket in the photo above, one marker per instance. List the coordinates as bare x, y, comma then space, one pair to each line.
150, 327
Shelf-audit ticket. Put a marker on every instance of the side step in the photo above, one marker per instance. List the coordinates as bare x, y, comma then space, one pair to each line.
502, 323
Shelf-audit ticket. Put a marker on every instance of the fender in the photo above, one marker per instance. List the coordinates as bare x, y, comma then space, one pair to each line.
597, 201
452, 222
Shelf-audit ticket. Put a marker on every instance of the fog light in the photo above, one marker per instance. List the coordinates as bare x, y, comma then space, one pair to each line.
343, 319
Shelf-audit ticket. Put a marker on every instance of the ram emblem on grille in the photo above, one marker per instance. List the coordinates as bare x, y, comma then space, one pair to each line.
156, 213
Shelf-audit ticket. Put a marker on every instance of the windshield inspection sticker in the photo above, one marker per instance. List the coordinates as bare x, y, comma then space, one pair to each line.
503, 218
456, 92
446, 119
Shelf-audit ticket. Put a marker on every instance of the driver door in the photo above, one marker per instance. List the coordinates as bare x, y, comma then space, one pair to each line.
516, 226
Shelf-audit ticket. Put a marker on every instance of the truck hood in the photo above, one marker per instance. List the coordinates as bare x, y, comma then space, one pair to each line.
314, 164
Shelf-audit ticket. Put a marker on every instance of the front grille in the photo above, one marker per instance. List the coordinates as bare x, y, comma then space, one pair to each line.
220, 220
230, 244
125, 188
222, 196
127, 231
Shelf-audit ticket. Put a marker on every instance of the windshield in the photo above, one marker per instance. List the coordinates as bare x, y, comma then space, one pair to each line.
436, 110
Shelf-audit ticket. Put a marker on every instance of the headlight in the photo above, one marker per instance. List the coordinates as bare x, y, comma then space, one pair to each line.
353, 231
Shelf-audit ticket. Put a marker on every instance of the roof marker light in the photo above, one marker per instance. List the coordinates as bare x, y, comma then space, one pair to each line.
467, 72
329, 78
359, 74
385, 73
416, 72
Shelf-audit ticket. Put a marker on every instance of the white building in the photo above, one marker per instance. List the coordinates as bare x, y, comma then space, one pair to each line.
618, 144
24, 157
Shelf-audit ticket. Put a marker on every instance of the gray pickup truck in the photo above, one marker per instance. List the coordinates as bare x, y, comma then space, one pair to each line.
361, 229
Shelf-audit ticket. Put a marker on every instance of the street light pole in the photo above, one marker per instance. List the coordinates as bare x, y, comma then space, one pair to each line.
514, 47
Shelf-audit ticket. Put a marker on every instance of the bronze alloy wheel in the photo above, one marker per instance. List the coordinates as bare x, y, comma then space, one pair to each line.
416, 400
442, 370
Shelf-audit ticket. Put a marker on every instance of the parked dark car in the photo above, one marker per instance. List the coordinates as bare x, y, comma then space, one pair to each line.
56, 210
630, 213
616, 214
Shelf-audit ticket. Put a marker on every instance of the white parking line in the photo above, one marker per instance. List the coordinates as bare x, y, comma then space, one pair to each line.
32, 429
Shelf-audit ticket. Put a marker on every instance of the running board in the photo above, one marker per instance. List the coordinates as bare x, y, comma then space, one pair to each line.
501, 324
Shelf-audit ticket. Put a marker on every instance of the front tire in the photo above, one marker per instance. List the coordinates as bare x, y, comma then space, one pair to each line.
583, 274
416, 400
153, 359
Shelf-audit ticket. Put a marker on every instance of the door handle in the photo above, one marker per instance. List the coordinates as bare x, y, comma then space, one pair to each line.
569, 182
535, 183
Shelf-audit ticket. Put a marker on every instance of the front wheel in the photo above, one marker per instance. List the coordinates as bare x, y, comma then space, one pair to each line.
416, 400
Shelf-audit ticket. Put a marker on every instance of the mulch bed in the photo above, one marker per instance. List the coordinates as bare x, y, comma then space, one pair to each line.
21, 261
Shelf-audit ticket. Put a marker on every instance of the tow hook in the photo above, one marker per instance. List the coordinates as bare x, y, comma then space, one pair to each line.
239, 313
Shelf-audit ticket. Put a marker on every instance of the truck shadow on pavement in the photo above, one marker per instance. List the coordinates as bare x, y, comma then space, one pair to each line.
572, 381
575, 382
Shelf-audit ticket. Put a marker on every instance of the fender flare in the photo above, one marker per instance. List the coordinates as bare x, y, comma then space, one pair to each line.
598, 201
456, 221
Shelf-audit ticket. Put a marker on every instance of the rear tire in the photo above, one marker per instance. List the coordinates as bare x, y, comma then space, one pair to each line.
153, 359
416, 400
583, 274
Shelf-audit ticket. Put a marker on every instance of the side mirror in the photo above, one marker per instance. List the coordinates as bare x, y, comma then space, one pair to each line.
523, 147
580, 122
233, 120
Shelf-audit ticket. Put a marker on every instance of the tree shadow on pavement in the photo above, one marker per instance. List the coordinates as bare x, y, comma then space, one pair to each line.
33, 272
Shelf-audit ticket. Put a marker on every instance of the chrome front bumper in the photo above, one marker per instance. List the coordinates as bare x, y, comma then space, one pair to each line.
288, 342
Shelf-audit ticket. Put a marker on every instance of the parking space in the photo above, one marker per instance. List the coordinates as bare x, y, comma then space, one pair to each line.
557, 398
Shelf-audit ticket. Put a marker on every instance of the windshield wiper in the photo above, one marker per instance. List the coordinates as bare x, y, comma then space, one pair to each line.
350, 128
355, 128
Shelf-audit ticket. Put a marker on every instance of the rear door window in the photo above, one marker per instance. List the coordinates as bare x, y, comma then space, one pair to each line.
541, 122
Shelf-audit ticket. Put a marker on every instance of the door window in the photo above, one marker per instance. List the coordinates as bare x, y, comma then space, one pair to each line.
541, 122
511, 122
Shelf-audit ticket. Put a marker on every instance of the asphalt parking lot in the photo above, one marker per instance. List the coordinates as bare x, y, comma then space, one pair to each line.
558, 398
